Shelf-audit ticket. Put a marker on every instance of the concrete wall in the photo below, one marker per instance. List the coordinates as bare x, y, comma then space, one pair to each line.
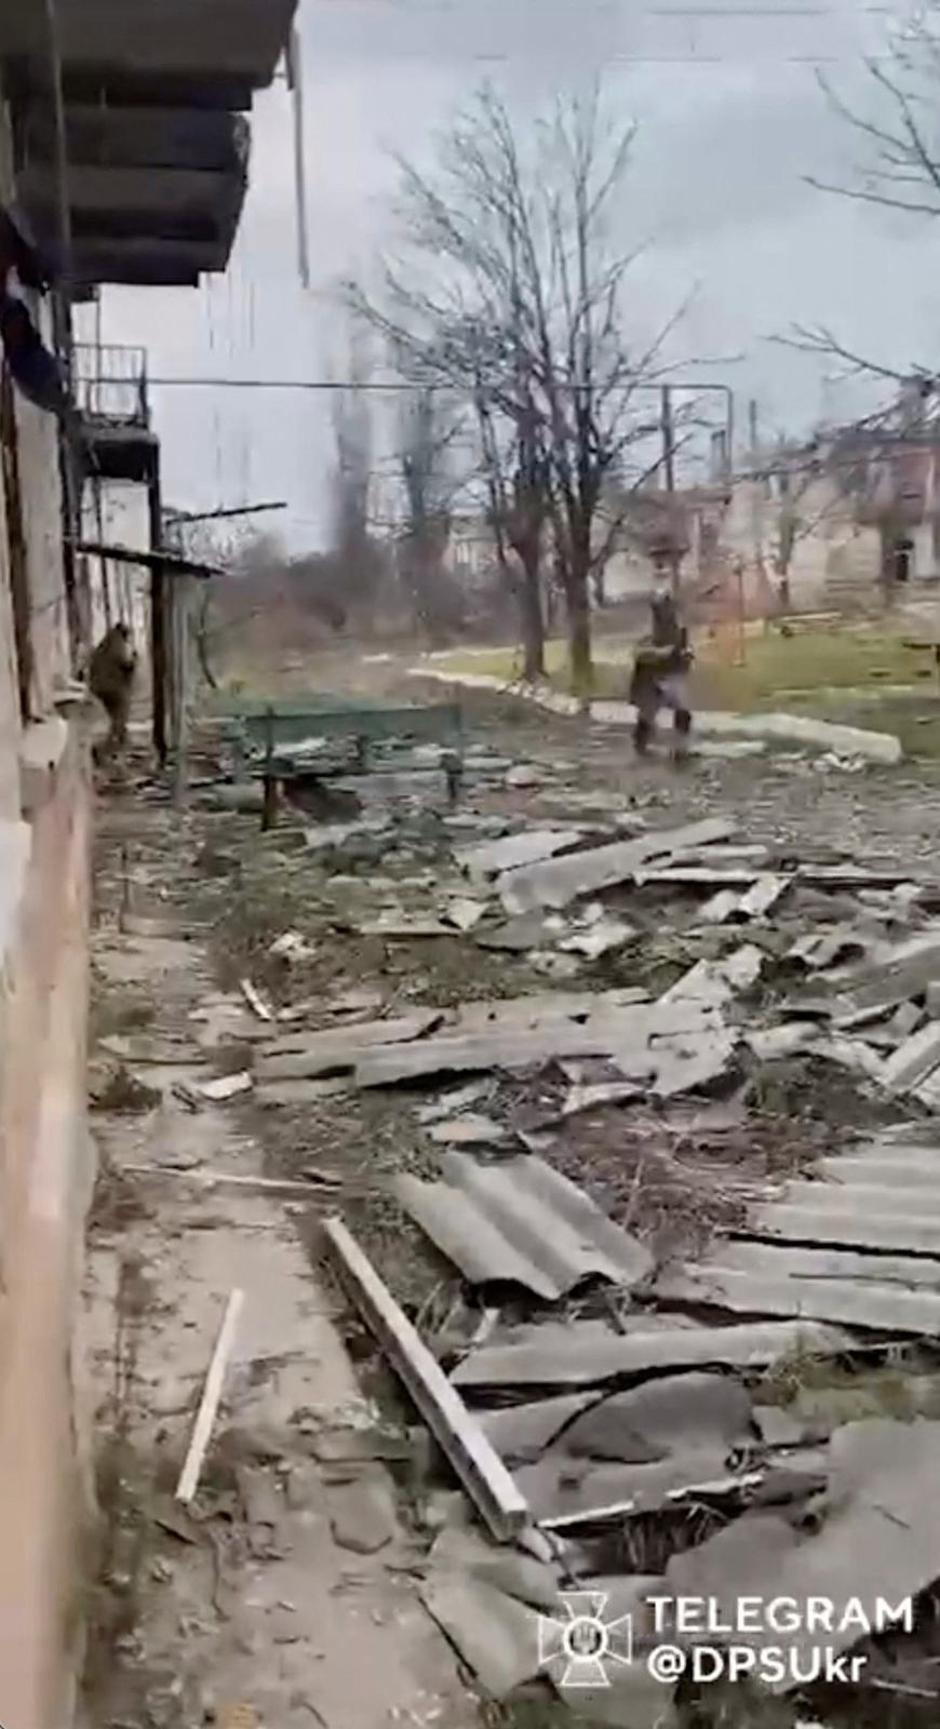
45, 1164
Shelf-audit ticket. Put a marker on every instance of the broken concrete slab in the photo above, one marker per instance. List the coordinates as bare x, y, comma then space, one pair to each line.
531, 846
676, 1415
573, 1359
559, 881
521, 1222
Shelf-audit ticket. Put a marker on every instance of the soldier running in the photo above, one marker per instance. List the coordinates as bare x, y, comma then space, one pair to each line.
660, 678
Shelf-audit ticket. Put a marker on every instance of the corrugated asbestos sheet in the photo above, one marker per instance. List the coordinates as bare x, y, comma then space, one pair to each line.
861, 1249
519, 1221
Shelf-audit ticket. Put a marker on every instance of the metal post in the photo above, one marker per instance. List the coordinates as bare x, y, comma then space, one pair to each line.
158, 644
269, 806
669, 474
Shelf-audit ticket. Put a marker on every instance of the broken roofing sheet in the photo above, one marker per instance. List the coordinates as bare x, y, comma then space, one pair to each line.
583, 1355
556, 882
523, 1222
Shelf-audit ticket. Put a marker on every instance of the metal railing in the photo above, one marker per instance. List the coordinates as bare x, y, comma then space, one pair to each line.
110, 383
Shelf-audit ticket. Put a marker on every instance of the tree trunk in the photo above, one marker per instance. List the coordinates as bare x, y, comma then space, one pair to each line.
531, 619
579, 634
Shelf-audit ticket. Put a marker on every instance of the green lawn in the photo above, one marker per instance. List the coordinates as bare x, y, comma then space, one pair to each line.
860, 676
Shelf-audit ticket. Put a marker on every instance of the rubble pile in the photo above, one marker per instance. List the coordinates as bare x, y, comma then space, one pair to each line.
625, 1418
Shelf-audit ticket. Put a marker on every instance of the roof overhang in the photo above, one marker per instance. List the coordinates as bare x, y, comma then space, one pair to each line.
157, 143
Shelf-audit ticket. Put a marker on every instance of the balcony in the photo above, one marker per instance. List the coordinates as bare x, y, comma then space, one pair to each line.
110, 388
156, 139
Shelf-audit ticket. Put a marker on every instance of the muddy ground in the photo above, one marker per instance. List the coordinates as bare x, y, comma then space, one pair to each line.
203, 896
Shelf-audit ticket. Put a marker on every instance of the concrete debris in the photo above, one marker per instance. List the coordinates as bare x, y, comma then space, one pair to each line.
602, 1093
575, 1360
292, 947
522, 775
256, 1001
531, 846
559, 881
459, 1099
517, 936
398, 926
303, 1092
225, 1087
469, 1131
600, 937
464, 914
521, 1222
362, 1514
826, 949
361, 1000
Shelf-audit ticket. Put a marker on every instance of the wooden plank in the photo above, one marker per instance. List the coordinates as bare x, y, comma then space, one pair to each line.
211, 1395
475, 1461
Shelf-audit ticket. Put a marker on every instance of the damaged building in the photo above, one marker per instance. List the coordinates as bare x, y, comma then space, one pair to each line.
123, 159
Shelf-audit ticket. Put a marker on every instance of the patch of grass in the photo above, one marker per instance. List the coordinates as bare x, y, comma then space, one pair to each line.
810, 670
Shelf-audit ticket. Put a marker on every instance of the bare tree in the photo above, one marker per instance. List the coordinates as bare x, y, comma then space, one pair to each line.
426, 435
514, 293
353, 474
900, 164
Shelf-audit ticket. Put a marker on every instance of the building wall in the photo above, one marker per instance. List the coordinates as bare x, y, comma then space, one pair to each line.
45, 1165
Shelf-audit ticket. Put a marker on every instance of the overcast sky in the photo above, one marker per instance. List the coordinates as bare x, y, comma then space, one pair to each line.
730, 120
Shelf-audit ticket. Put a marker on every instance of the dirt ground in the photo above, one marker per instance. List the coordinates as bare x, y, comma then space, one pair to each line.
288, 1589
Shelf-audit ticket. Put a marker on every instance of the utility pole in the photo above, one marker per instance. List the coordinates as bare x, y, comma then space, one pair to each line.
669, 478
756, 498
